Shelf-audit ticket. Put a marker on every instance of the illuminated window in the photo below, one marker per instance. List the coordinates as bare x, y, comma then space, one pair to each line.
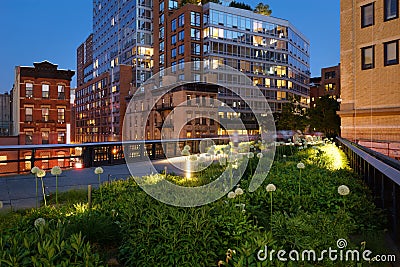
367, 57
61, 91
61, 137
330, 86
28, 114
391, 50
3, 158
61, 115
28, 138
367, 15
45, 138
45, 114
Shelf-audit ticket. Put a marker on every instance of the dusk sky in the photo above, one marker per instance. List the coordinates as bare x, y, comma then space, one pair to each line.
37, 30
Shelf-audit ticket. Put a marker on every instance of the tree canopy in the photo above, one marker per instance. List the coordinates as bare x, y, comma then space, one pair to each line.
323, 117
292, 117
240, 5
263, 9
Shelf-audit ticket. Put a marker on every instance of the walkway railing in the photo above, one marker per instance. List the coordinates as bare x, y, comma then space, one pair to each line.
18, 159
382, 175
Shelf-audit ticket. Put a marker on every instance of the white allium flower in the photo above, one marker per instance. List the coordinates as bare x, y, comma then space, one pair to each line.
98, 170
300, 165
250, 155
284, 156
270, 188
41, 173
222, 161
239, 191
187, 147
231, 195
259, 155
192, 157
39, 222
343, 190
251, 146
185, 152
1, 204
34, 170
243, 211
56, 170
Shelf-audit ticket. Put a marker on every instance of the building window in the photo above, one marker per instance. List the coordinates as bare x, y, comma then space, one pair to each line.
161, 21
173, 25
28, 138
162, 59
61, 137
181, 49
173, 4
173, 53
367, 58
195, 19
162, 46
195, 49
162, 7
45, 90
391, 53
195, 34
391, 9
3, 158
45, 138
61, 115
161, 33
330, 87
173, 39
181, 20
61, 91
28, 90
330, 75
45, 114
367, 15
181, 35
181, 64
28, 114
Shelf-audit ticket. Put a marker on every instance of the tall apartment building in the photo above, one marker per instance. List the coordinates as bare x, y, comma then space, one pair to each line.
327, 84
370, 93
116, 57
5, 114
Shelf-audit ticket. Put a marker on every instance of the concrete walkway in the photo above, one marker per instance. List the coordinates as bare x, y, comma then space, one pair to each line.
18, 192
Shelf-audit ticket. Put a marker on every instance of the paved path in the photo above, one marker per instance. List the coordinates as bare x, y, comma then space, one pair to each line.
19, 192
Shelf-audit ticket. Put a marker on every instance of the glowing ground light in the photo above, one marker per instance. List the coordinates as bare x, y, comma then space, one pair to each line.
188, 171
78, 165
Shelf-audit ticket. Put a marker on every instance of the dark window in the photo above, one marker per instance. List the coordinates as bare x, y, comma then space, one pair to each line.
61, 91
181, 35
181, 49
367, 57
391, 50
28, 138
367, 15
45, 138
391, 9
173, 25
173, 53
28, 114
173, 39
195, 49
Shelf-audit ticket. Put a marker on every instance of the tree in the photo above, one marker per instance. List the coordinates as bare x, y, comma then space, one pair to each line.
240, 5
263, 9
323, 117
292, 117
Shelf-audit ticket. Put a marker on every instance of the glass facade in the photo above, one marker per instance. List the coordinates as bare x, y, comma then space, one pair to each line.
272, 53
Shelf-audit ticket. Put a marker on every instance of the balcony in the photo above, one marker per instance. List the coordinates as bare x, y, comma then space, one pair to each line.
164, 106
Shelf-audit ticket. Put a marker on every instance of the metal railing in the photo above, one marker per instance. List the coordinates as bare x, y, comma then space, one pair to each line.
382, 175
19, 159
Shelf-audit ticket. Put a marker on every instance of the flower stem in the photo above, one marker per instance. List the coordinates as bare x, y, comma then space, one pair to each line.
36, 182
299, 182
56, 190
44, 194
101, 193
271, 212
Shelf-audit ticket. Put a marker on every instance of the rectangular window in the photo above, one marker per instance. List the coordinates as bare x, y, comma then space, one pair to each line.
173, 4
45, 138
162, 57
195, 19
173, 25
181, 20
391, 50
181, 35
28, 114
61, 115
161, 7
61, 91
195, 49
45, 90
181, 49
367, 15
28, 138
28, 90
162, 46
173, 67
173, 39
3, 158
181, 64
195, 34
45, 114
391, 9
161, 33
330, 87
367, 57
173, 53
61, 137
161, 20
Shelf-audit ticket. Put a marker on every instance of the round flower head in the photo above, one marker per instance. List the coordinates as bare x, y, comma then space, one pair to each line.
343, 190
250, 155
270, 188
185, 152
222, 161
239, 191
41, 173
98, 170
187, 147
193, 158
231, 195
56, 170
202, 159
39, 222
34, 170
284, 156
259, 155
300, 165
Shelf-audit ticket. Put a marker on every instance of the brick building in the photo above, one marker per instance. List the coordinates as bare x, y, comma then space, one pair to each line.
327, 84
5, 114
370, 80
